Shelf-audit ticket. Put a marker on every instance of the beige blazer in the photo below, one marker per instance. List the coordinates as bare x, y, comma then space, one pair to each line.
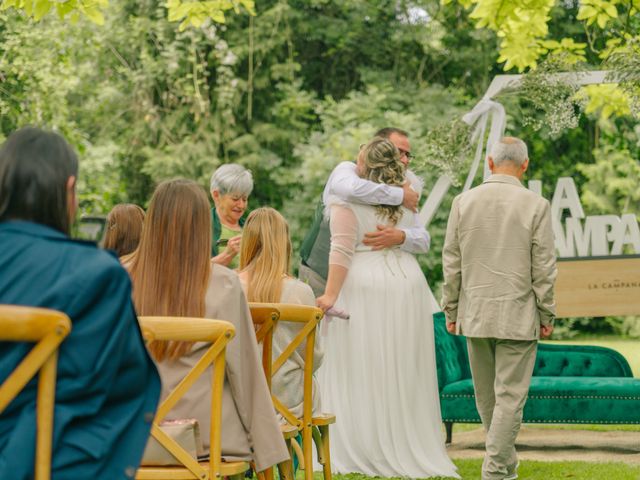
499, 262
250, 429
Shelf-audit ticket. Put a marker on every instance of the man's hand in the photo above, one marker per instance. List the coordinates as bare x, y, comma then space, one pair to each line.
384, 237
410, 197
451, 327
546, 331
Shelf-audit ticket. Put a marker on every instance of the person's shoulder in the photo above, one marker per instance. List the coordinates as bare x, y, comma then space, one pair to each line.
91, 260
222, 275
350, 166
95, 272
297, 284
296, 291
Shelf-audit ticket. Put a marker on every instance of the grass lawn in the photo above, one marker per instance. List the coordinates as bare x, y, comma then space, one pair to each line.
530, 470
630, 349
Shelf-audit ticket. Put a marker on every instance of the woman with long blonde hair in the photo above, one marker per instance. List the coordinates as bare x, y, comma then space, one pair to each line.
172, 275
265, 263
379, 372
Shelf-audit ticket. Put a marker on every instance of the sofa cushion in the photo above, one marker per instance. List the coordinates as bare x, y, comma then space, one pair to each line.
579, 361
558, 400
452, 362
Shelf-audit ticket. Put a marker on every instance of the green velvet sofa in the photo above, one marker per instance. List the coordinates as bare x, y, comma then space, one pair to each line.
570, 384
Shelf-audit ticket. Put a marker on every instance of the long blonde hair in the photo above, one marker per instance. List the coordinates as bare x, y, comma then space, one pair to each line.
265, 253
170, 269
381, 164
124, 226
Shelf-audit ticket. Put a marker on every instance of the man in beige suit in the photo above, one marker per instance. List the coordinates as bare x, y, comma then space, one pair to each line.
499, 271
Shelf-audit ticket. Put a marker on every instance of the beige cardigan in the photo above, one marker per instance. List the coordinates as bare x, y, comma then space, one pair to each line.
250, 429
499, 262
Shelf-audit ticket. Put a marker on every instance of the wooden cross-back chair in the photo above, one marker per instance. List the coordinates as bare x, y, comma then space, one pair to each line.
312, 428
218, 333
265, 319
47, 329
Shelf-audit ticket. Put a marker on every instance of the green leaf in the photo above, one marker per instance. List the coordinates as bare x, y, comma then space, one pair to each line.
42, 7
611, 10
93, 14
603, 18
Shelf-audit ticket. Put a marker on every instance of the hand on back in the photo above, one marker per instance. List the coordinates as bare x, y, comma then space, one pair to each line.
410, 197
384, 237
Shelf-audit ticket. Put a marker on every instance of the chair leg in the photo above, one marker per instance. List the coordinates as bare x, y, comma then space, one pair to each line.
297, 449
266, 474
307, 450
449, 428
317, 439
326, 465
285, 469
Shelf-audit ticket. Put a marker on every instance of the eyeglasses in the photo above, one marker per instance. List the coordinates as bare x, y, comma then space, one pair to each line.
403, 152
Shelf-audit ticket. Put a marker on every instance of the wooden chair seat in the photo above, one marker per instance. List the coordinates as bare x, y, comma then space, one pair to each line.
289, 431
324, 419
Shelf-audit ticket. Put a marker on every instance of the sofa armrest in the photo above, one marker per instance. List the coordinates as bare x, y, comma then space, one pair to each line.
580, 361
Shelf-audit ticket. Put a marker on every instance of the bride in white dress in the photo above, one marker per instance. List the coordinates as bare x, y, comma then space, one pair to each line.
379, 371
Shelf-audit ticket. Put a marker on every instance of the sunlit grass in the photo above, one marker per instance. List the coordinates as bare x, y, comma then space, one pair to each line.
532, 470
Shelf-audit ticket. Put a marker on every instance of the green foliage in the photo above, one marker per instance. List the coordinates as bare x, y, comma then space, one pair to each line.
189, 12
37, 9
195, 13
523, 25
550, 95
612, 181
598, 11
605, 100
447, 149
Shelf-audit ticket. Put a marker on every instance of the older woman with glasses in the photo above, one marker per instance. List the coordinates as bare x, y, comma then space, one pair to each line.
231, 185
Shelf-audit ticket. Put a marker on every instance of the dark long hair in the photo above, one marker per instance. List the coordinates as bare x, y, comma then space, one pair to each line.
34, 168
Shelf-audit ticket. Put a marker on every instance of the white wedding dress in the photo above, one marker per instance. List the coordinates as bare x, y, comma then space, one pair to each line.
379, 371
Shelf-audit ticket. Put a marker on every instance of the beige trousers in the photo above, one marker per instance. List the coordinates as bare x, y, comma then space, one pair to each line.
501, 371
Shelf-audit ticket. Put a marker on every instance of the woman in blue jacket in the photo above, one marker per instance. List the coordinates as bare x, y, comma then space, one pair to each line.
107, 386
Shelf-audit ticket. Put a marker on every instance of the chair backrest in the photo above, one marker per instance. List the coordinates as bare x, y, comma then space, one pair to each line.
308, 317
187, 329
265, 318
452, 359
47, 329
